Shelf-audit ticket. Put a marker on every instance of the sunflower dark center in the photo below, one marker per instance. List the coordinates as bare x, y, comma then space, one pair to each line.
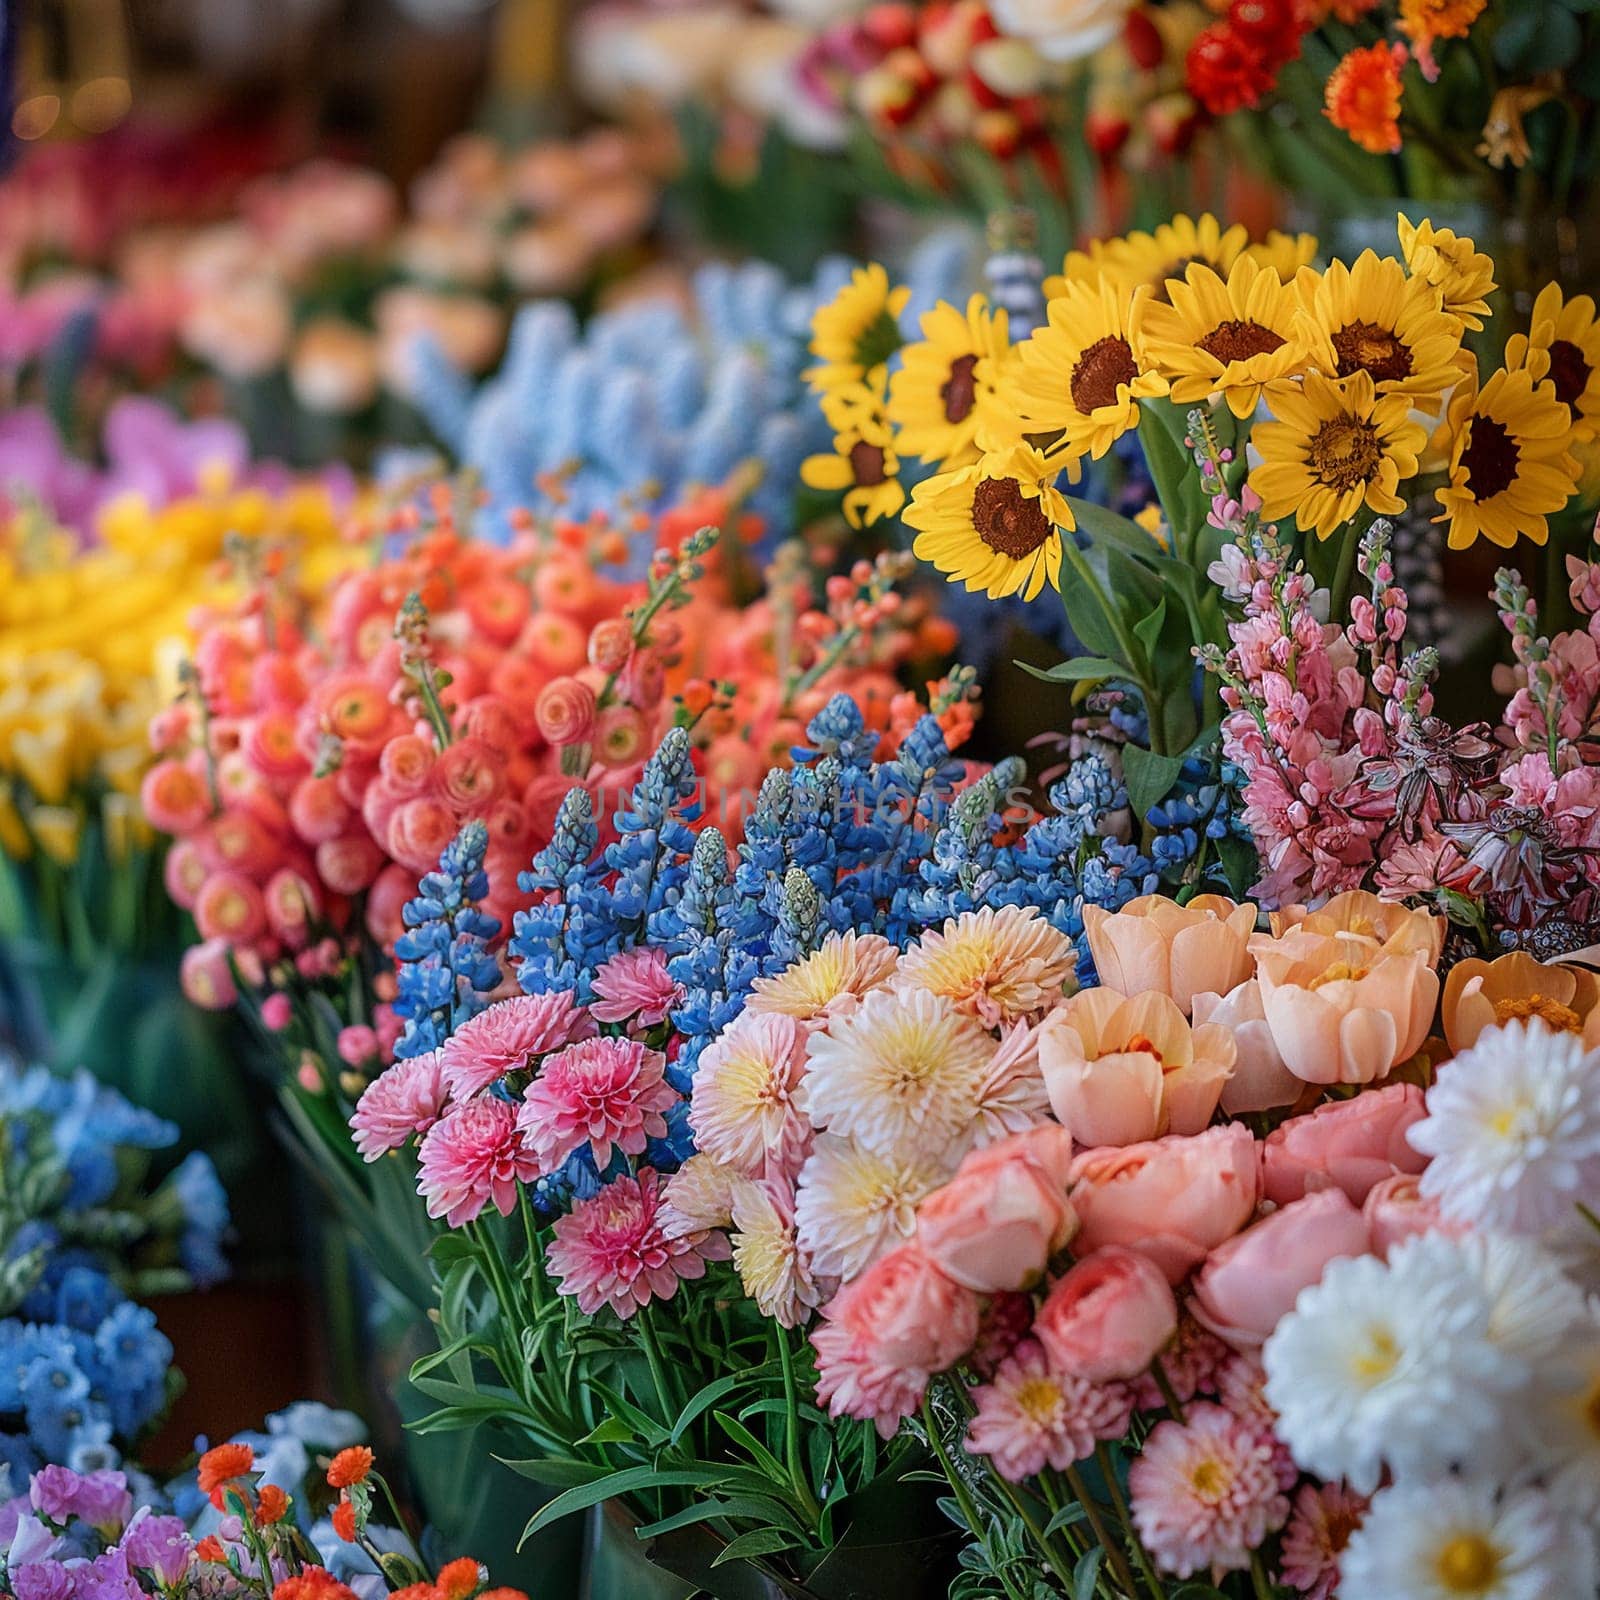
1101, 369
866, 464
1179, 269
877, 341
1238, 340
1569, 372
1365, 347
1490, 459
1345, 451
960, 390
1007, 520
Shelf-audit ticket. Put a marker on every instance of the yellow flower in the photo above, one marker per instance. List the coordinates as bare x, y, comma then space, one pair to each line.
59, 832
1285, 253
1226, 336
1454, 266
1141, 259
946, 381
1334, 446
854, 335
1564, 346
1078, 376
864, 464
1509, 466
1372, 318
994, 525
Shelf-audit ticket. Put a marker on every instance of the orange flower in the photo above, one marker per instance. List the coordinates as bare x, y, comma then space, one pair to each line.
222, 1465
210, 1549
1363, 96
350, 1466
344, 1520
312, 1584
272, 1505
460, 1579
416, 1591
1423, 21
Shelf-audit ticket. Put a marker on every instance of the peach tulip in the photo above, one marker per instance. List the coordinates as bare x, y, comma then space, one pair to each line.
1259, 1080
1153, 943
1120, 1070
1364, 915
1482, 994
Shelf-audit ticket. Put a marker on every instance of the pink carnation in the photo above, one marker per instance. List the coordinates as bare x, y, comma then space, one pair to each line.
634, 986
405, 1100
1205, 1492
1324, 1517
602, 1092
612, 1249
473, 1157
508, 1037
1032, 1414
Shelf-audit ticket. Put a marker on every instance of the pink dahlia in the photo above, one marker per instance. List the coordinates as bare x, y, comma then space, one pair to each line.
851, 1384
509, 1037
1031, 1413
473, 1157
1324, 1517
1205, 1492
1241, 1387
635, 986
611, 1250
405, 1100
599, 1092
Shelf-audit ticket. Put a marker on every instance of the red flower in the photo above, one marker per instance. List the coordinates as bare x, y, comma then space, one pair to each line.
1271, 26
1226, 72
350, 1466
312, 1584
210, 1549
221, 1466
272, 1505
459, 1579
344, 1520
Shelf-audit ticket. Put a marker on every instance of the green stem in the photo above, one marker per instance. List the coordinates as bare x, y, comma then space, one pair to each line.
791, 1432
1046, 1547
1120, 1501
1168, 1393
1258, 1578
1338, 604
1115, 1559
658, 1368
958, 1485
1589, 1216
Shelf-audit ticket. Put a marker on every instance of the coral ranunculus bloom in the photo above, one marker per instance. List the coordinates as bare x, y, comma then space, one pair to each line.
1482, 994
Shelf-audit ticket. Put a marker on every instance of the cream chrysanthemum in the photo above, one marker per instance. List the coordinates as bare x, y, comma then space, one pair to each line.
853, 1206
768, 1257
999, 966
1012, 1097
900, 1074
699, 1197
742, 1108
832, 978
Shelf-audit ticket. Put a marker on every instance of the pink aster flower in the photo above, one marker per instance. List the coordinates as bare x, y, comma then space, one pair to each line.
1324, 1517
611, 1250
473, 1157
1205, 1492
1031, 1414
634, 986
405, 1100
602, 1092
508, 1037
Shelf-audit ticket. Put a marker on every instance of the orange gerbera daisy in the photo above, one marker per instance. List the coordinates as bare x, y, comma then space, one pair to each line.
222, 1465
460, 1578
350, 1466
1363, 96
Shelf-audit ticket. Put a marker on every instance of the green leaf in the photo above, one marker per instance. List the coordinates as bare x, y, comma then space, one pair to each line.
612, 1431
1148, 777
1101, 526
610, 1487
1535, 39
752, 1508
1079, 669
557, 1471
713, 1392
757, 1542
1240, 864
1087, 1573
1066, 1517
1147, 630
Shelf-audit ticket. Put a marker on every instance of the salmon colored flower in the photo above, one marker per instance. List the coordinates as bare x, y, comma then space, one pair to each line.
1484, 994
350, 1466
1363, 96
1359, 912
1153, 943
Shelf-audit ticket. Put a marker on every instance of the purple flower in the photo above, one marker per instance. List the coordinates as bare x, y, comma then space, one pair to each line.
54, 1493
159, 1545
42, 1580
100, 1498
108, 1577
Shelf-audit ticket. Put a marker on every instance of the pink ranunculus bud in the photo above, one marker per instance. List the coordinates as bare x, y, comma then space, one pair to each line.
1108, 1317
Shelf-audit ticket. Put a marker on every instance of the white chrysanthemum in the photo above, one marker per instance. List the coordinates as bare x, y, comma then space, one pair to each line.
768, 1257
1513, 1128
1564, 1423
854, 1206
1389, 1363
1533, 1305
831, 979
997, 965
1012, 1097
1463, 1540
742, 1108
900, 1074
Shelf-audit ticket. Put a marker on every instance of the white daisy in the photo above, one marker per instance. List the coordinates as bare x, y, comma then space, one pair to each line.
900, 1074
1565, 1422
1462, 1540
1533, 1305
1513, 1127
854, 1206
1389, 1363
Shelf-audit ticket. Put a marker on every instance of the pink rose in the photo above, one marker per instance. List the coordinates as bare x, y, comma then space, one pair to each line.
903, 1313
1175, 1199
1350, 1145
1250, 1282
996, 1224
1108, 1317
1048, 1146
1396, 1210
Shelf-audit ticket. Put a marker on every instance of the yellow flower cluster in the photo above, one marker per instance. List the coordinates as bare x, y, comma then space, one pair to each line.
90, 639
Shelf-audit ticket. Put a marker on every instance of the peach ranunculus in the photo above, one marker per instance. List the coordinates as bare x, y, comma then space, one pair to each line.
1359, 912
1250, 1282
908, 1314
1177, 950
1482, 994
1175, 1199
1120, 1070
1343, 1008
1259, 1080
1108, 1317
1349, 1144
996, 1224
1396, 1210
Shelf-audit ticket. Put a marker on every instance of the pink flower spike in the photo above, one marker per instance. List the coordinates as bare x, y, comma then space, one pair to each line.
602, 1092
611, 1249
474, 1157
404, 1101
634, 986
509, 1037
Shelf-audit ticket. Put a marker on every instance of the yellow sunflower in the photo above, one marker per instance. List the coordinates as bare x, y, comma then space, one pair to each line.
854, 335
1218, 335
863, 463
1078, 375
1509, 466
947, 380
995, 525
1372, 318
1564, 346
1285, 253
1334, 445
1462, 274
1151, 258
